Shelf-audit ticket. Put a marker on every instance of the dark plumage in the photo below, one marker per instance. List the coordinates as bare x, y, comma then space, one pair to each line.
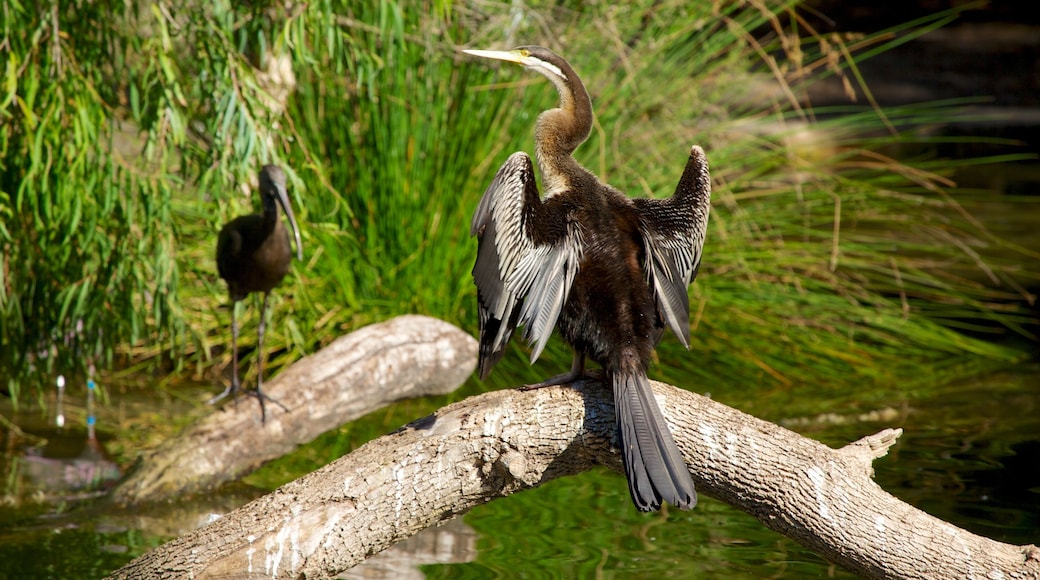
253, 255
607, 271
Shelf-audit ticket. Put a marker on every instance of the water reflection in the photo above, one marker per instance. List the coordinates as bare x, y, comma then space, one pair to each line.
49, 463
970, 454
454, 542
60, 477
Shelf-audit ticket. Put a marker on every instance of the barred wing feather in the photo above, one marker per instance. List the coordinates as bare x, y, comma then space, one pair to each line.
673, 235
527, 257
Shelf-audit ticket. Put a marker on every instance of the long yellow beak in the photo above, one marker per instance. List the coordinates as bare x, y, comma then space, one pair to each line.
517, 56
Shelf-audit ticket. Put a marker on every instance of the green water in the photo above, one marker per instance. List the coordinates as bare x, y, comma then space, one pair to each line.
970, 454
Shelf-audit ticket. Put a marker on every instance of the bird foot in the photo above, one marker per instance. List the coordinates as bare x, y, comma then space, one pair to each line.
232, 389
563, 379
261, 397
594, 374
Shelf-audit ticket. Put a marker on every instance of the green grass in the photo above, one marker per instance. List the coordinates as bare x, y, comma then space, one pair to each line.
827, 261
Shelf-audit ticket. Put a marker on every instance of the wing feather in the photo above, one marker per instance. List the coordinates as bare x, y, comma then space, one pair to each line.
528, 253
673, 235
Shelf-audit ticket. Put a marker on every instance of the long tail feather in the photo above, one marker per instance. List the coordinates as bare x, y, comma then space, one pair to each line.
654, 466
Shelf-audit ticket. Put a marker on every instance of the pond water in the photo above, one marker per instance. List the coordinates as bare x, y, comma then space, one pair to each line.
970, 454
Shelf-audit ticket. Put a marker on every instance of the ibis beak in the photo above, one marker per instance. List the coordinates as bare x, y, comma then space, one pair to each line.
283, 200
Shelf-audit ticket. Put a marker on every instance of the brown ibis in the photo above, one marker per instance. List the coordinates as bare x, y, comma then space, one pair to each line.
254, 255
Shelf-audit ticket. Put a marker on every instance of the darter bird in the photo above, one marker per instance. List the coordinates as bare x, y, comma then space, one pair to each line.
606, 270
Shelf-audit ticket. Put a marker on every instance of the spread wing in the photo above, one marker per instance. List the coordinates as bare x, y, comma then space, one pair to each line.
673, 234
528, 253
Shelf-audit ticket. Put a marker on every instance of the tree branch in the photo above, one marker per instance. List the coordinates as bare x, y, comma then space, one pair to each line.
502, 442
405, 357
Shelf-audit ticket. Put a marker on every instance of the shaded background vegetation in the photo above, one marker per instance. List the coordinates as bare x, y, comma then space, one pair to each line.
131, 132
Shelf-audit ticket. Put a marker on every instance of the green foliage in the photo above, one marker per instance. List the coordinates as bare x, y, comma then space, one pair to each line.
826, 259
398, 134
86, 255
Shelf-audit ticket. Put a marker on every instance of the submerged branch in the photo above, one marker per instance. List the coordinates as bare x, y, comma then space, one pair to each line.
405, 357
498, 443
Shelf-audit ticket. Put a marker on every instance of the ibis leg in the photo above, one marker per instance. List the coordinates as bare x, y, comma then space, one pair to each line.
235, 384
234, 387
260, 363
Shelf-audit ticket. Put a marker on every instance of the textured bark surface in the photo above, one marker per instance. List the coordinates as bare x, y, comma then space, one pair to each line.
405, 357
502, 442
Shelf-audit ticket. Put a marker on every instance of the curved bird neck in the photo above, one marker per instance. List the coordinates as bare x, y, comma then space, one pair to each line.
561, 130
270, 214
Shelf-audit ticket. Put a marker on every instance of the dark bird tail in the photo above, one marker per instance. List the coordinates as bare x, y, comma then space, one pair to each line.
654, 467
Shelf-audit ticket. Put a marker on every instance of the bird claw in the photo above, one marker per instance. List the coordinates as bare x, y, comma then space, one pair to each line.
577, 372
561, 379
261, 397
594, 374
232, 389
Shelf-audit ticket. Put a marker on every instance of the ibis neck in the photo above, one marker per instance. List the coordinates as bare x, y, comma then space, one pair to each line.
561, 130
270, 214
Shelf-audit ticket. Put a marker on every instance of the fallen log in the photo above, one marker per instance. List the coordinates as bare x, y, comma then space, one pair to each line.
405, 357
502, 442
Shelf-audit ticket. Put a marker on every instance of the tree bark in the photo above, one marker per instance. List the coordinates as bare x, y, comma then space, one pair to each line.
405, 357
502, 442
